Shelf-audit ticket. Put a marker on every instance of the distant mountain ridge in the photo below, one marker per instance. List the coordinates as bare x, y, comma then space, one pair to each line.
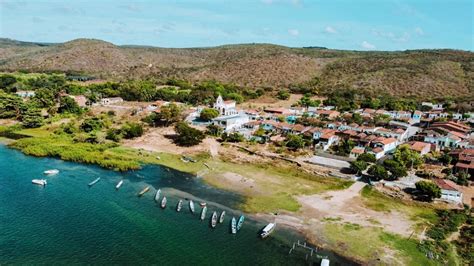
420, 73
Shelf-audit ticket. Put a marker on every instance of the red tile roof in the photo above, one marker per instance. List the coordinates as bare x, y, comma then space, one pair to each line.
446, 184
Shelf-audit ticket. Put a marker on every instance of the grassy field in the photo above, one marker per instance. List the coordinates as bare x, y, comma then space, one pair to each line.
370, 244
377, 201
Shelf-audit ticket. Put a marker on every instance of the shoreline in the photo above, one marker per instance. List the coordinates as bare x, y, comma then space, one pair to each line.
262, 216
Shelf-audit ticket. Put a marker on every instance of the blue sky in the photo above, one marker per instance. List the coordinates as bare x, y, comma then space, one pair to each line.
340, 24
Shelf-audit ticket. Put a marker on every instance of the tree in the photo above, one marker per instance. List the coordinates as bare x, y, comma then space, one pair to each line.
446, 159
6, 81
283, 95
294, 142
407, 157
208, 114
91, 124
428, 189
169, 114
395, 168
344, 147
45, 97
214, 130
11, 106
132, 130
69, 105
114, 134
358, 167
186, 135
32, 118
378, 172
232, 137
367, 157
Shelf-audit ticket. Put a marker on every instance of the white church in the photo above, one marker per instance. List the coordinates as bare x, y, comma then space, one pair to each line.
230, 118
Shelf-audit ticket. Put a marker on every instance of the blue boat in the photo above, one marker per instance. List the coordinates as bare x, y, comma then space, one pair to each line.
94, 182
241, 221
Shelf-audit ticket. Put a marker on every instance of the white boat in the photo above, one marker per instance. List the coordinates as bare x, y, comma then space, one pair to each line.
267, 230
324, 262
41, 182
214, 220
221, 218
119, 184
51, 172
145, 190
240, 222
233, 225
203, 213
191, 206
157, 195
94, 182
179, 206
163, 203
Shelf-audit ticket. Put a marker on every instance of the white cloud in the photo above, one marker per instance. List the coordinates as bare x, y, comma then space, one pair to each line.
402, 37
419, 31
293, 32
330, 29
367, 45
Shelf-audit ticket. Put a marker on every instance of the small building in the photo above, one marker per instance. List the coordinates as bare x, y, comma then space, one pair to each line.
225, 108
231, 122
81, 100
356, 151
25, 94
421, 147
449, 192
328, 114
109, 101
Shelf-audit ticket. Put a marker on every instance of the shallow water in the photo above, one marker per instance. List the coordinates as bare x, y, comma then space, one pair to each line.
68, 222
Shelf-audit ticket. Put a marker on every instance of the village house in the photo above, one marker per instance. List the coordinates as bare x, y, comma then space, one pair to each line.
421, 147
377, 152
109, 101
25, 94
327, 139
449, 192
356, 151
386, 144
441, 139
464, 161
327, 114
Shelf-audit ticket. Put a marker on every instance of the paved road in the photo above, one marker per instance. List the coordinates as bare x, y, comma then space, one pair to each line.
333, 163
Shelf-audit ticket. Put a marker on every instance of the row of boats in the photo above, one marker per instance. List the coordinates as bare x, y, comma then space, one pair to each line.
235, 224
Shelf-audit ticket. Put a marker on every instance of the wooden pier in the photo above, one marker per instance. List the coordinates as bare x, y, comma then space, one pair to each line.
310, 251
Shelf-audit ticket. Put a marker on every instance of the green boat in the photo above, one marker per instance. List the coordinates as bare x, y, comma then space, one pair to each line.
241, 221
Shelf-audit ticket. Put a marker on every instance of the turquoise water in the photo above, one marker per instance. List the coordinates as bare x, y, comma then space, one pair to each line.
69, 223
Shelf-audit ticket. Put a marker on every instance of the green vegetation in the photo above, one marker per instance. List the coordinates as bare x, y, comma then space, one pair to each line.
208, 114
428, 189
232, 137
294, 142
187, 136
358, 166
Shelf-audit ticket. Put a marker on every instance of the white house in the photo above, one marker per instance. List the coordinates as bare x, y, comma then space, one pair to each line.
25, 94
449, 191
113, 100
230, 118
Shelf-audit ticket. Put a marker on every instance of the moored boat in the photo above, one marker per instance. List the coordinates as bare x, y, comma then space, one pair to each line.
214, 220
94, 182
119, 184
191, 206
233, 226
157, 195
51, 172
241, 221
221, 218
41, 182
179, 206
267, 230
163, 203
202, 204
145, 190
203, 213
324, 262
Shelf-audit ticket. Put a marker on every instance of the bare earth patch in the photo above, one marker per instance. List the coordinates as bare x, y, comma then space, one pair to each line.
346, 206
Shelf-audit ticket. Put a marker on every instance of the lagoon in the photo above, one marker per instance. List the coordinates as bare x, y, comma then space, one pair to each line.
67, 222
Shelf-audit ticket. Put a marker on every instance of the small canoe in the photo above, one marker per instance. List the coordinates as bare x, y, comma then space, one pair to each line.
163, 203
221, 218
51, 172
214, 220
179, 206
241, 221
145, 190
324, 262
94, 182
203, 213
191, 206
233, 226
41, 182
119, 184
157, 195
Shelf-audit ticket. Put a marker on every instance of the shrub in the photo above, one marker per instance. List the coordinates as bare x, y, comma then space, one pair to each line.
132, 130
187, 136
208, 114
428, 189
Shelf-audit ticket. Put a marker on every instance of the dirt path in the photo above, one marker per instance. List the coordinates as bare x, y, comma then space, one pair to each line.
346, 205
